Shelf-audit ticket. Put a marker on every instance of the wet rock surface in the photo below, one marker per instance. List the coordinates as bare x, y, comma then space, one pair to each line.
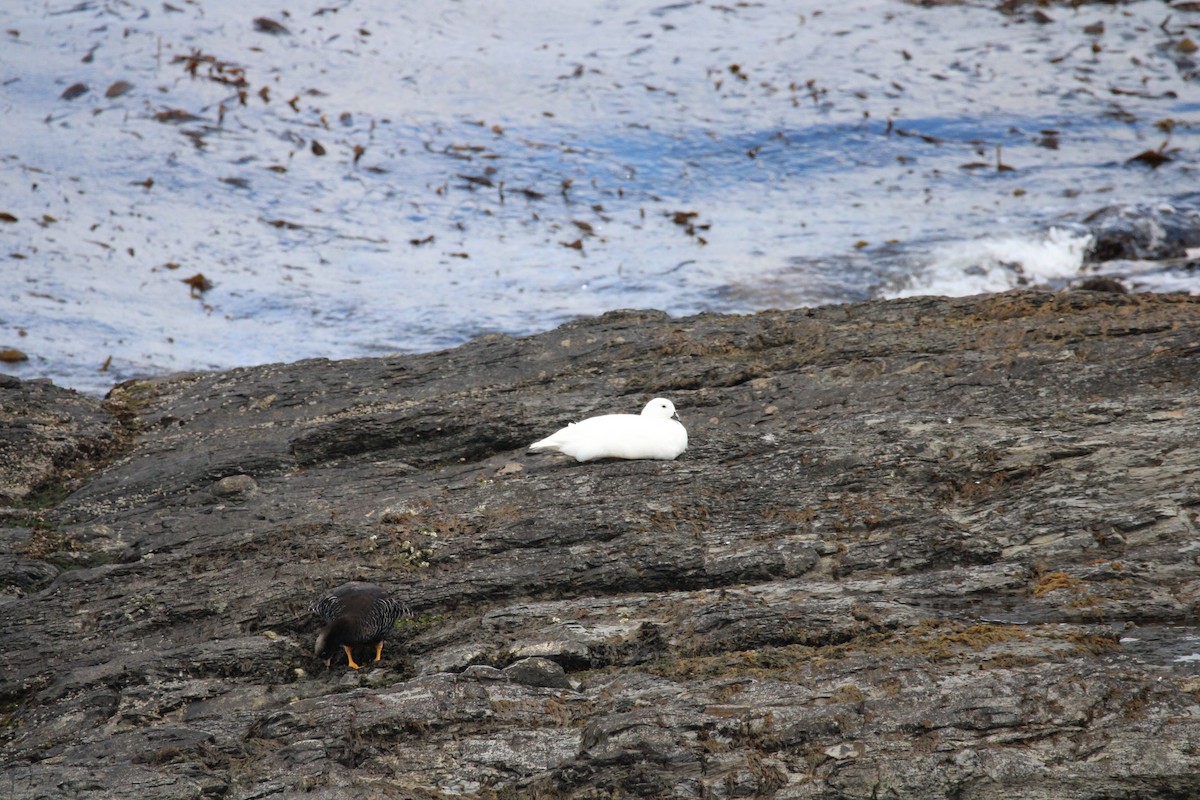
920, 548
1133, 233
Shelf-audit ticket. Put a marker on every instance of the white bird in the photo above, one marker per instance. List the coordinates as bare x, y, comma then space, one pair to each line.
655, 433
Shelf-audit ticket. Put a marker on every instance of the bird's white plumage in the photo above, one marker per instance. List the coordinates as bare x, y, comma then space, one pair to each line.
655, 433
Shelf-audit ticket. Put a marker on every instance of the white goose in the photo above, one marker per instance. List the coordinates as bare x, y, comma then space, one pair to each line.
655, 433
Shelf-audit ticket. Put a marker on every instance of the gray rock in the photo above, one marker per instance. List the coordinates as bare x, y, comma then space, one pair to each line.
922, 548
25, 573
234, 486
538, 672
51, 439
482, 672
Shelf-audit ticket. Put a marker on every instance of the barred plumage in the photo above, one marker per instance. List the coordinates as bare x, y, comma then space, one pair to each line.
355, 613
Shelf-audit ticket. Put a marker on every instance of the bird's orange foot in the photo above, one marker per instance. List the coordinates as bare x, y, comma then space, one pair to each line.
378, 650
350, 657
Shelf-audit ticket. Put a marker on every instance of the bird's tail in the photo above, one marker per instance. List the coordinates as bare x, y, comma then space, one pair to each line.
549, 443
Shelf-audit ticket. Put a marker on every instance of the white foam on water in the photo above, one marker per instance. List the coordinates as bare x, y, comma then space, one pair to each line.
998, 263
723, 157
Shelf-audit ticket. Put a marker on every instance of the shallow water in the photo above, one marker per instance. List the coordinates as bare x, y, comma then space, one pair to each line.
371, 180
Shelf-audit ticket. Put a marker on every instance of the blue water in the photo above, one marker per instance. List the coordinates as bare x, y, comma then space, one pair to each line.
517, 167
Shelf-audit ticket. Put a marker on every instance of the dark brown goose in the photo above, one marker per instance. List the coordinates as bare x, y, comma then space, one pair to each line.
355, 613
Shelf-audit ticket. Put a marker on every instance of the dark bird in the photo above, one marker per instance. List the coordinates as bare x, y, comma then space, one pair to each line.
355, 613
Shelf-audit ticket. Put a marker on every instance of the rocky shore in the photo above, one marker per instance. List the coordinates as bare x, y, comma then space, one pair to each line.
931, 548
